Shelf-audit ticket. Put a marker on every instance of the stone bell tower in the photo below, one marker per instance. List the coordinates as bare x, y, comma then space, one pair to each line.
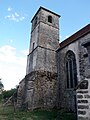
41, 73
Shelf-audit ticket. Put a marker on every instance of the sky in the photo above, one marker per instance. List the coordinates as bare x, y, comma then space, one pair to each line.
15, 28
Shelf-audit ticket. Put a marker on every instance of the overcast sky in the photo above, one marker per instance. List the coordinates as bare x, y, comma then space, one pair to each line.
15, 27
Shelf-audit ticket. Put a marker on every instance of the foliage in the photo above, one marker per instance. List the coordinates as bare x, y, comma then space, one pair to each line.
1, 86
0, 97
7, 113
1, 89
8, 93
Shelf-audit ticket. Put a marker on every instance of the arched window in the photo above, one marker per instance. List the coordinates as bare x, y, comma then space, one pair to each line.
50, 19
71, 69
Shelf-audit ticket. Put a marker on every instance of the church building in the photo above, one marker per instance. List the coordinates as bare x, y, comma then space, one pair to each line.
54, 70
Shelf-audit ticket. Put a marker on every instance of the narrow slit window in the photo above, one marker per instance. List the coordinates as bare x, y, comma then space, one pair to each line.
33, 46
35, 23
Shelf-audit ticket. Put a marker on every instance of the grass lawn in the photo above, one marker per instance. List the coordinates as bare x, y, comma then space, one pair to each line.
7, 113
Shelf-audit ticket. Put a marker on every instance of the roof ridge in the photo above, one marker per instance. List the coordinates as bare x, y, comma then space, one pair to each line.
75, 36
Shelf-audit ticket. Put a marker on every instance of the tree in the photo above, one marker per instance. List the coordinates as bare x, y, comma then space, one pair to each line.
1, 86
1, 89
8, 93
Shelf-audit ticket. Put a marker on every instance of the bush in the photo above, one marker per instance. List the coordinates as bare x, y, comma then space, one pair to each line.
7, 94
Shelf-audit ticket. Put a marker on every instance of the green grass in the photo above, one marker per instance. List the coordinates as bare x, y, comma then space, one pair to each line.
7, 113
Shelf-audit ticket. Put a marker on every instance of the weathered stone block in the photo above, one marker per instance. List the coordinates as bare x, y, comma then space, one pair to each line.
84, 85
83, 107
81, 112
44, 90
87, 96
82, 101
82, 92
83, 118
79, 96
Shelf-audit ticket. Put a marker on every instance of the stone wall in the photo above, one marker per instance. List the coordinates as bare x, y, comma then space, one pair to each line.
41, 90
83, 89
21, 93
82, 69
43, 42
83, 100
63, 92
42, 59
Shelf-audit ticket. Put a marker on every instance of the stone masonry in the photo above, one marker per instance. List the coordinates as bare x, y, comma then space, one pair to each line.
40, 89
57, 74
83, 100
82, 65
